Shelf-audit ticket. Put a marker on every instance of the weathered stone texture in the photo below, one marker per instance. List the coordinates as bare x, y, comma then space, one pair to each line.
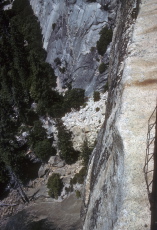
70, 29
118, 197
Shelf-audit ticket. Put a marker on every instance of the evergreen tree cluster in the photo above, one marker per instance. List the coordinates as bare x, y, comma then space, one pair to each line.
104, 40
55, 185
26, 78
65, 145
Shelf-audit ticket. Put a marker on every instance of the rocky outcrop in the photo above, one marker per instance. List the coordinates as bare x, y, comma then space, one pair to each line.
87, 122
42, 211
115, 180
70, 32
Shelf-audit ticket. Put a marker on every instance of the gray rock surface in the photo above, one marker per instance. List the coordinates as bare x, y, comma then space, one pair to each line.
48, 216
86, 123
116, 195
42, 170
70, 29
56, 161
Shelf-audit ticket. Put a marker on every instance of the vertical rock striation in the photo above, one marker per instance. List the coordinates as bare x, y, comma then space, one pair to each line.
70, 31
115, 193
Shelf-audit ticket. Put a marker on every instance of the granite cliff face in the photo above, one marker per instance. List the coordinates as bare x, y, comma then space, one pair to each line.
70, 32
115, 194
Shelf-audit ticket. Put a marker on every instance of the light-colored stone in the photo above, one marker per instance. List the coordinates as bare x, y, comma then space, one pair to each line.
77, 27
56, 161
42, 170
87, 122
119, 198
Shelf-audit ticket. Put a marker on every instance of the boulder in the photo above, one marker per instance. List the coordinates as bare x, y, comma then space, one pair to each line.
42, 170
87, 129
56, 161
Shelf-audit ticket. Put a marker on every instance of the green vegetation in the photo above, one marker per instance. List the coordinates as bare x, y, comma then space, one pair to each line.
39, 142
62, 70
104, 40
86, 151
73, 98
53, 26
67, 152
4, 177
97, 109
69, 189
25, 78
106, 87
55, 185
57, 61
96, 96
78, 194
102, 68
92, 49
38, 133
79, 177
91, 0
43, 149
57, 105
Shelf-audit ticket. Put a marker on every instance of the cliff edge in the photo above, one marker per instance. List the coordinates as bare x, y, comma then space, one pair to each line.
115, 195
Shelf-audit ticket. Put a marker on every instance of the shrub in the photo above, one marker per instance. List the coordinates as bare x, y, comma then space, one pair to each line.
69, 189
4, 178
65, 145
53, 26
92, 49
97, 109
104, 40
78, 194
102, 68
31, 117
41, 108
106, 87
86, 151
85, 104
43, 149
57, 61
62, 70
37, 134
55, 185
96, 96
74, 98
3, 173
91, 0
79, 177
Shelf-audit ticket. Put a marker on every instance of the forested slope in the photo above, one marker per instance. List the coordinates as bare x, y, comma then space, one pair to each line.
27, 92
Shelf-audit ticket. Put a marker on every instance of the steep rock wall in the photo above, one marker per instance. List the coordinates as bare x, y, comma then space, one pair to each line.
70, 28
115, 193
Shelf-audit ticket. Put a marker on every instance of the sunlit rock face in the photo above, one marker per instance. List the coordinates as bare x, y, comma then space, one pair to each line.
115, 193
70, 32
